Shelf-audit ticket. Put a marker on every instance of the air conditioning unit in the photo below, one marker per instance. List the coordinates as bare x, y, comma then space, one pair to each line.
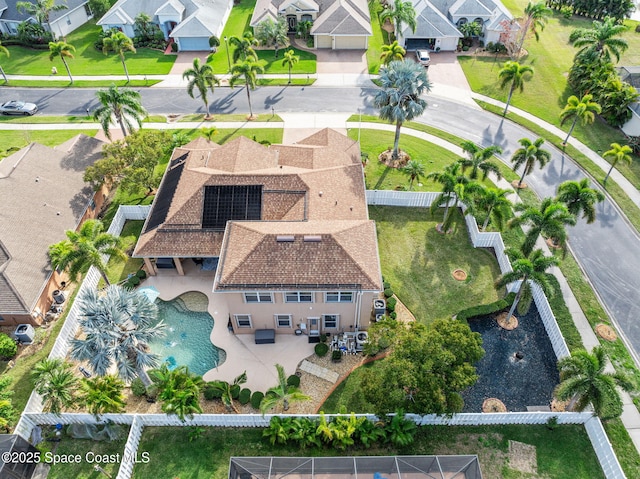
379, 317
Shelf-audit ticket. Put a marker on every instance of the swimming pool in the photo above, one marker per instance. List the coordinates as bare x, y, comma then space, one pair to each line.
187, 341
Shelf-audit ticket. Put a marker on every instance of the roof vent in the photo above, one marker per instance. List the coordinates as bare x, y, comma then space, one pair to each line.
312, 238
285, 238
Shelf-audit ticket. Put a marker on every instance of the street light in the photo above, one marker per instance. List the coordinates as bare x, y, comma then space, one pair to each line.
226, 41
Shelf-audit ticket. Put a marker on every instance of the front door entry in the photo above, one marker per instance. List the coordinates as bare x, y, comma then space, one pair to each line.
292, 22
314, 326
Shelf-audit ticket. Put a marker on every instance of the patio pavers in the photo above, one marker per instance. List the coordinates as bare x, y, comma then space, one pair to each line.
319, 371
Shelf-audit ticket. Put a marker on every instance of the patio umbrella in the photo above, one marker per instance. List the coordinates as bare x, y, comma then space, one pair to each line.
150, 292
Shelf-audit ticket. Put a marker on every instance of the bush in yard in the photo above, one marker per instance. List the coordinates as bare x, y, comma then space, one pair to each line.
321, 349
235, 391
391, 304
336, 356
486, 309
388, 292
137, 387
393, 315
245, 396
134, 281
293, 380
142, 274
152, 393
8, 347
211, 392
256, 399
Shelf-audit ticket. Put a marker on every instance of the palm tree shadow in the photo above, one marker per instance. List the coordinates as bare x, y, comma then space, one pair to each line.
382, 177
274, 99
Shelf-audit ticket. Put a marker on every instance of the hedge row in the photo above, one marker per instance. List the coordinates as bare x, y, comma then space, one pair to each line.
486, 309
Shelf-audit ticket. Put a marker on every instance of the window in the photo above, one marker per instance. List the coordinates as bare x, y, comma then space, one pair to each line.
258, 297
243, 320
330, 321
87, 10
298, 297
283, 320
338, 297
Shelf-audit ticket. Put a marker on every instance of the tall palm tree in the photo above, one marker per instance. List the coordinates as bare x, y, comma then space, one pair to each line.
179, 391
479, 160
63, 50
514, 75
399, 99
582, 109
534, 20
103, 395
247, 71
494, 202
401, 13
273, 33
282, 394
123, 105
601, 38
528, 155
532, 267
549, 220
85, 248
117, 325
414, 170
201, 77
4, 51
41, 9
244, 47
119, 44
290, 59
579, 197
615, 154
56, 383
584, 381
392, 53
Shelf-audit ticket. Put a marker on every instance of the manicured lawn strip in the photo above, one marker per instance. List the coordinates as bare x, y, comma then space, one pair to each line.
240, 117
378, 38
418, 262
80, 83
306, 62
87, 60
285, 82
42, 119
564, 452
625, 450
117, 269
13, 140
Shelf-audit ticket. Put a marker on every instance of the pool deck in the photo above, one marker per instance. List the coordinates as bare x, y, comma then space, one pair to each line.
242, 353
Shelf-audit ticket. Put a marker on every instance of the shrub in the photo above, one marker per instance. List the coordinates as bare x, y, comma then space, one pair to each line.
235, 391
386, 285
8, 347
324, 337
485, 309
137, 387
245, 396
293, 380
142, 274
256, 399
211, 392
134, 281
393, 315
388, 292
321, 349
567, 11
336, 356
391, 304
152, 393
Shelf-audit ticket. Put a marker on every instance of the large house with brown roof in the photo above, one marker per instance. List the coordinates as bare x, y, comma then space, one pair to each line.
43, 194
286, 228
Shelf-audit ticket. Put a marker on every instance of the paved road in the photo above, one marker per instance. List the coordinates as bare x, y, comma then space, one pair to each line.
608, 250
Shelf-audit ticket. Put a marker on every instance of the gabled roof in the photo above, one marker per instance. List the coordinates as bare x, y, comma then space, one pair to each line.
114, 17
300, 5
343, 17
43, 194
171, 7
9, 10
469, 8
431, 23
193, 26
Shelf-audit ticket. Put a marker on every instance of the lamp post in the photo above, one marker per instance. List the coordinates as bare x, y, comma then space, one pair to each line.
226, 41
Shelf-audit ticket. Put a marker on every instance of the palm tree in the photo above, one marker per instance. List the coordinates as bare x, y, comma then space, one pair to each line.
225, 389
290, 59
4, 51
103, 395
246, 70
579, 197
529, 155
414, 170
179, 391
532, 267
478, 159
85, 248
514, 75
124, 105
201, 77
494, 202
455, 186
402, 84
62, 50
55, 382
118, 43
617, 153
244, 47
41, 9
582, 109
392, 53
281, 395
273, 33
117, 325
584, 381
535, 18
601, 38
549, 220
401, 13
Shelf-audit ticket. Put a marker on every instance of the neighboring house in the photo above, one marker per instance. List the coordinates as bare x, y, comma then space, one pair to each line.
62, 22
631, 75
337, 24
286, 225
189, 23
438, 22
43, 194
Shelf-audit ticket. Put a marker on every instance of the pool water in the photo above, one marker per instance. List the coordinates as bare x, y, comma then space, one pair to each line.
188, 331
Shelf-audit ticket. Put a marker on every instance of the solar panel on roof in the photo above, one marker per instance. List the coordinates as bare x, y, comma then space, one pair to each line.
232, 202
165, 194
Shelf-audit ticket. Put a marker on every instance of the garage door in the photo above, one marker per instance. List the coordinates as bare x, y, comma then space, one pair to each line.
323, 41
417, 44
193, 44
351, 43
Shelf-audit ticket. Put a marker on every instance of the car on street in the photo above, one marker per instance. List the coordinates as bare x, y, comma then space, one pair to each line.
16, 107
423, 58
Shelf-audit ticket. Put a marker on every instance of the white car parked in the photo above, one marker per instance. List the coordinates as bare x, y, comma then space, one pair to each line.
423, 58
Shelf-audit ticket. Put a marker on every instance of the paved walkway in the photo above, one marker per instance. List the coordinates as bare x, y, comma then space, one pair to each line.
319, 371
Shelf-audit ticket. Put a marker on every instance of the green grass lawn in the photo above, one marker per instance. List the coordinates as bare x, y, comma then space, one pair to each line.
88, 60
562, 453
376, 41
418, 262
79, 83
118, 270
13, 140
241, 117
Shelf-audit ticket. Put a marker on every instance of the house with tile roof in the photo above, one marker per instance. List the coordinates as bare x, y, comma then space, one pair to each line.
62, 22
438, 22
43, 194
189, 23
337, 24
285, 228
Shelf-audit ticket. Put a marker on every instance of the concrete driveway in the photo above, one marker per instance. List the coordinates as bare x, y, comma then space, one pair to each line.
341, 61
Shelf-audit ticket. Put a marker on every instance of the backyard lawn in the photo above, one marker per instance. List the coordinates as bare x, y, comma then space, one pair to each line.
88, 60
13, 140
376, 41
118, 270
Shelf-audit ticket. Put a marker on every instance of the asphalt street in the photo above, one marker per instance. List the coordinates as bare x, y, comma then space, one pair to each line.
608, 250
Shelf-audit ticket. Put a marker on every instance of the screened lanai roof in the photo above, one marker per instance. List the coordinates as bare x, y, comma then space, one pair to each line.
365, 467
